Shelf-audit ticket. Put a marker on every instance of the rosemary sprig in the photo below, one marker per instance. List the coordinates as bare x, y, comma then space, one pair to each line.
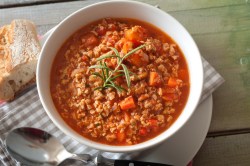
109, 75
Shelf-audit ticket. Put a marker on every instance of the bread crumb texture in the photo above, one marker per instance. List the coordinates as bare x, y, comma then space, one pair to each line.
19, 51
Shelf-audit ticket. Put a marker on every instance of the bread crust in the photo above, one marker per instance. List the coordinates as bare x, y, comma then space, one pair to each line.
19, 51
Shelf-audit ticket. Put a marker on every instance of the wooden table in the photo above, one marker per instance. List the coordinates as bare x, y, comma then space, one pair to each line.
221, 29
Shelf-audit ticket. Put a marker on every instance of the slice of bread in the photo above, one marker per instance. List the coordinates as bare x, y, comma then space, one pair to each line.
19, 51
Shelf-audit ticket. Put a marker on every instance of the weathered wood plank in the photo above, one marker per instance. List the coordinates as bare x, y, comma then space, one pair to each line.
229, 53
4, 3
39, 14
218, 19
177, 5
214, 20
220, 151
7, 2
166, 5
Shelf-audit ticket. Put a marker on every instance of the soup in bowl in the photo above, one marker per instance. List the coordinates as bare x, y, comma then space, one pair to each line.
119, 80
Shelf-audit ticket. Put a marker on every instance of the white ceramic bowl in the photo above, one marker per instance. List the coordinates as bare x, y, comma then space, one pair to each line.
120, 9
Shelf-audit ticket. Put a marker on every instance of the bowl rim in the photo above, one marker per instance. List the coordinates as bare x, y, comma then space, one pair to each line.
105, 147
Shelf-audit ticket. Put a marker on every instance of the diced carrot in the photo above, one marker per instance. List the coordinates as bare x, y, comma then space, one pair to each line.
169, 94
120, 136
153, 122
135, 34
84, 58
154, 79
127, 103
172, 82
153, 125
126, 116
139, 59
143, 131
127, 46
167, 98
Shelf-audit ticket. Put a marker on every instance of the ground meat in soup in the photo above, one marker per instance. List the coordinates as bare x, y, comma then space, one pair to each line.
159, 83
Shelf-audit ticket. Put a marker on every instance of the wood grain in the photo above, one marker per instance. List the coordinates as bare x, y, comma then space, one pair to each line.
166, 5
7, 2
15, 3
216, 19
178, 5
231, 150
226, 51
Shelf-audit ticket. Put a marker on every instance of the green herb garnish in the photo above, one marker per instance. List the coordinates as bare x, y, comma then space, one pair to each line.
109, 75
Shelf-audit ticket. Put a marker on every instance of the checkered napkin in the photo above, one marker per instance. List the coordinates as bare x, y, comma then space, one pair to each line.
27, 110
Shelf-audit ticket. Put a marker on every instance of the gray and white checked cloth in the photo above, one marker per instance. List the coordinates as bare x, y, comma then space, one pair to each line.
27, 110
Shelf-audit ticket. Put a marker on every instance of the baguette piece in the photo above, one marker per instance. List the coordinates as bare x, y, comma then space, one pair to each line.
19, 51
